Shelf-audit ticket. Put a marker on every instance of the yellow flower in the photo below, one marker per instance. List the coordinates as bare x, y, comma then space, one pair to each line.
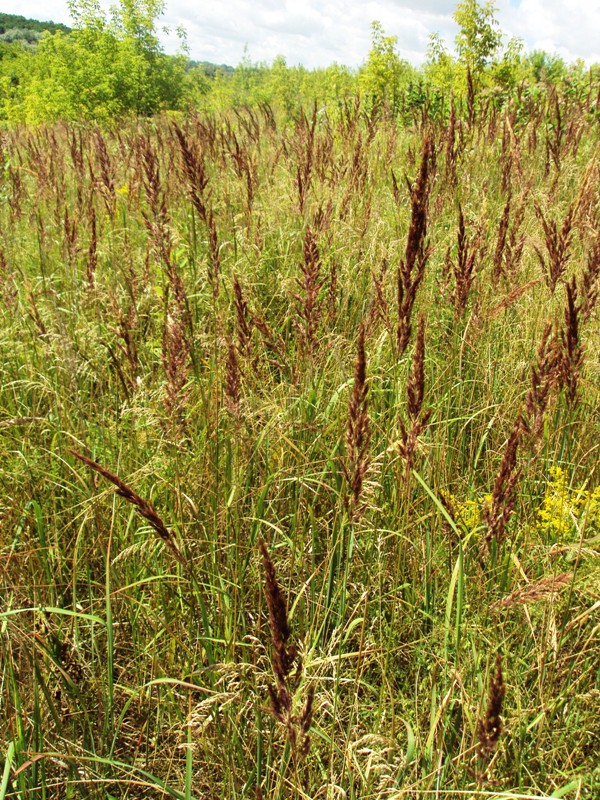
563, 508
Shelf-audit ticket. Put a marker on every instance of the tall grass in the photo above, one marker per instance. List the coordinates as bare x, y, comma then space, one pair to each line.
333, 365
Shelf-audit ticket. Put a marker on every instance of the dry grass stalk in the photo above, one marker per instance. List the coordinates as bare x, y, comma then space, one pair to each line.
284, 658
70, 228
8, 284
271, 340
578, 309
570, 357
232, 382
464, 268
507, 165
332, 291
471, 105
498, 268
358, 433
539, 591
516, 241
379, 306
489, 727
543, 378
144, 507
92, 253
415, 391
176, 345
35, 315
157, 221
412, 267
175, 356
243, 319
555, 131
106, 183
590, 282
450, 147
501, 506
305, 148
126, 329
197, 182
558, 243
512, 297
309, 306
195, 171
245, 166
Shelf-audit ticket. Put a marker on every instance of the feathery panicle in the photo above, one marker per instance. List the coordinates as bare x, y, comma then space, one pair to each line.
544, 589
558, 244
543, 378
464, 268
284, 656
243, 319
412, 268
415, 392
143, 507
502, 504
308, 304
489, 727
195, 172
175, 356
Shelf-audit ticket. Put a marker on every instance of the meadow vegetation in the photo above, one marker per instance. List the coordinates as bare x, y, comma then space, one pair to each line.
299, 424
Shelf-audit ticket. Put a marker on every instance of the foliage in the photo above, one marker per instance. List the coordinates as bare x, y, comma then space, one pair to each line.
101, 70
384, 73
479, 37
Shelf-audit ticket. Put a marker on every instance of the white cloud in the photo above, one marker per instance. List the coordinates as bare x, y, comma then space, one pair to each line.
568, 27
318, 32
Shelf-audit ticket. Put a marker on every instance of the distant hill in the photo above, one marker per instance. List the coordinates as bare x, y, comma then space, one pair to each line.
210, 69
14, 27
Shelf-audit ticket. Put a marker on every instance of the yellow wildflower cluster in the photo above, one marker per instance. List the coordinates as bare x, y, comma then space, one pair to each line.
564, 509
469, 514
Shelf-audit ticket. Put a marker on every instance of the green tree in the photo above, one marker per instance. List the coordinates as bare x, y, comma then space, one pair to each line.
103, 69
385, 73
479, 38
440, 67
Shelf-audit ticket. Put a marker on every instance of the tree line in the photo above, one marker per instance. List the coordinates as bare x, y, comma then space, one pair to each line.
111, 64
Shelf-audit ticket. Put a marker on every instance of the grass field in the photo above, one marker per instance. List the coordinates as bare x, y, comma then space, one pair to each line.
299, 429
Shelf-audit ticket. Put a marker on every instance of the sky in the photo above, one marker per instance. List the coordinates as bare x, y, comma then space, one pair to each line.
316, 33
